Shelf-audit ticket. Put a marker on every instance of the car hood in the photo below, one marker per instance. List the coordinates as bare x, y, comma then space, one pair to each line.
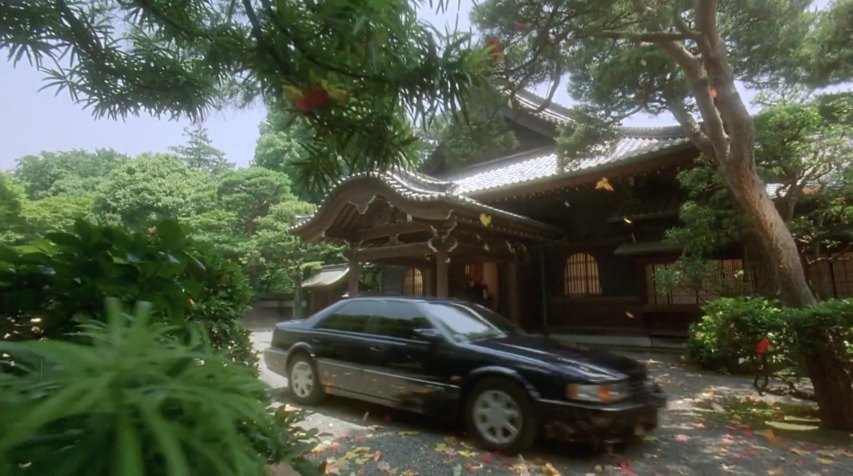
582, 363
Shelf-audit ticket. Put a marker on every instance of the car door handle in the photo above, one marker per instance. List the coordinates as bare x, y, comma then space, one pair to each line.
374, 348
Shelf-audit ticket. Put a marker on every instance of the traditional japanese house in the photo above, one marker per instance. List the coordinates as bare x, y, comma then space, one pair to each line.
565, 247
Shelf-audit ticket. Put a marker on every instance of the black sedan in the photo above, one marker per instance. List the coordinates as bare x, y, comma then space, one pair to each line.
448, 357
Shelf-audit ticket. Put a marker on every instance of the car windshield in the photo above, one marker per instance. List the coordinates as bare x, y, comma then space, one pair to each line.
468, 323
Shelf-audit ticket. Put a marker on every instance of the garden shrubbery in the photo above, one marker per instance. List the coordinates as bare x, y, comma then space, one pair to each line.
725, 338
49, 287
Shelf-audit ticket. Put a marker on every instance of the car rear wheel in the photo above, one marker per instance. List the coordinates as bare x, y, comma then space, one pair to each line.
302, 379
500, 416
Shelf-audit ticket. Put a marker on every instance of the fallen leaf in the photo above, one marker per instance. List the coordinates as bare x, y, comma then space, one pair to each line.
604, 184
798, 452
713, 92
376, 456
825, 461
408, 472
550, 470
777, 470
467, 454
366, 414
450, 441
408, 433
717, 407
487, 457
335, 446
598, 469
700, 426
473, 468
384, 466
374, 427
627, 469
682, 438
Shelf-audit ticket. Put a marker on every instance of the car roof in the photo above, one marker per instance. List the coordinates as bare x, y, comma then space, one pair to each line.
429, 299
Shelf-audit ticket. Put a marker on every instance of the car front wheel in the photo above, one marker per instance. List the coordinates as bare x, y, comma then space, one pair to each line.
500, 415
302, 380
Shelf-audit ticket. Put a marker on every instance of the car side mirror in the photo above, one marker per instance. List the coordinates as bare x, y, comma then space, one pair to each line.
429, 335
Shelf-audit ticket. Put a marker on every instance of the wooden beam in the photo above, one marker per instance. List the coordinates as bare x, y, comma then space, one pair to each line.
442, 286
514, 292
392, 251
383, 231
354, 275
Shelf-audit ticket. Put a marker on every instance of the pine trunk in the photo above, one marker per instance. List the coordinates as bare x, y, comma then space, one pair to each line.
771, 231
833, 386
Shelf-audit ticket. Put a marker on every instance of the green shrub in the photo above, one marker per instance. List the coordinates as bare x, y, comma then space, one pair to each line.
726, 336
47, 288
833, 318
135, 401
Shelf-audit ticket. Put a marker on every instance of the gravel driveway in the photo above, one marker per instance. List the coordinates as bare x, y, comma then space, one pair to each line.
696, 437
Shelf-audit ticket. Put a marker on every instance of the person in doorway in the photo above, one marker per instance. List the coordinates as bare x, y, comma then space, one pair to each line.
486, 297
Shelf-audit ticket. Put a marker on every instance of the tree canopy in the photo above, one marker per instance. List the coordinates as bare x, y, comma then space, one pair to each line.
340, 64
199, 153
52, 173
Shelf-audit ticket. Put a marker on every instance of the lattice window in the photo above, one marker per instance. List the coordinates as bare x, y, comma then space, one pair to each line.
581, 276
413, 282
724, 277
841, 275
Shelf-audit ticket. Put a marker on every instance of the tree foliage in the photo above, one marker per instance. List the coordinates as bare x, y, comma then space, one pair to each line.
199, 153
340, 64
71, 172
465, 139
150, 188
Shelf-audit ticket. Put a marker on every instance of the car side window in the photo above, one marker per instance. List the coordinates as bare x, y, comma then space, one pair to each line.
399, 319
351, 317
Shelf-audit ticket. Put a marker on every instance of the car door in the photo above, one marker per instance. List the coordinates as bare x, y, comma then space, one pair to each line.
341, 346
405, 367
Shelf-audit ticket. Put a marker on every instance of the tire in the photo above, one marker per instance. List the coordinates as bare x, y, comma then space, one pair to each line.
302, 380
500, 416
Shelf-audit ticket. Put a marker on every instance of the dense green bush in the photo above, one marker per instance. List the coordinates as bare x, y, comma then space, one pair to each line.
726, 336
49, 287
136, 401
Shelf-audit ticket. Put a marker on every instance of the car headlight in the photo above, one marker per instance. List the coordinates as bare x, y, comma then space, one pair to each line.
601, 393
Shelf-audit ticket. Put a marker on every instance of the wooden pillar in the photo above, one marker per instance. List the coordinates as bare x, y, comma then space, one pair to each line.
354, 274
514, 292
442, 286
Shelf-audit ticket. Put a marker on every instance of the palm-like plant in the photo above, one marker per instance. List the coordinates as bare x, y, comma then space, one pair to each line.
132, 402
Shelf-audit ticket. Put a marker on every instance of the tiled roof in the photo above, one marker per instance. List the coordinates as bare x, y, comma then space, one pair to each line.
633, 143
544, 164
419, 187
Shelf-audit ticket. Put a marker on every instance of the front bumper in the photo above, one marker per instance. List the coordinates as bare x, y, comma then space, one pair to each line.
616, 421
